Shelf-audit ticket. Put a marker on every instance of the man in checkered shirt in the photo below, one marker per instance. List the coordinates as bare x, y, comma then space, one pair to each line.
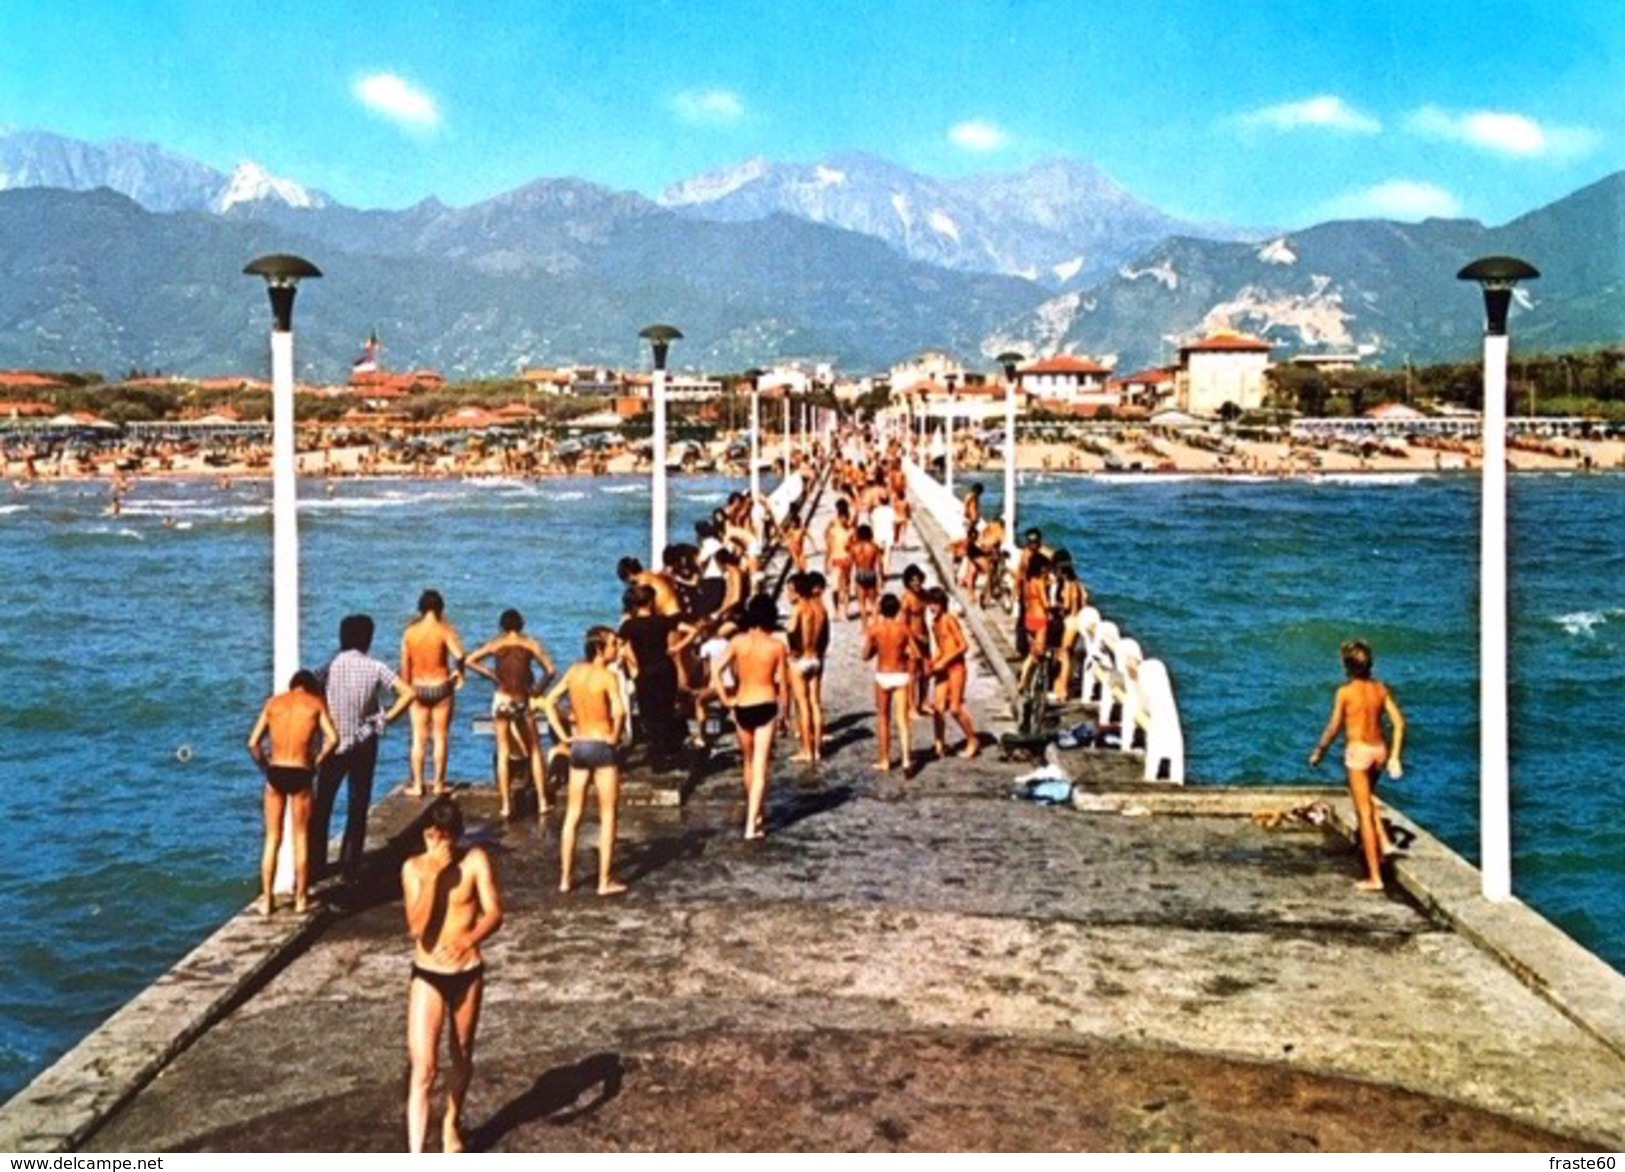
353, 680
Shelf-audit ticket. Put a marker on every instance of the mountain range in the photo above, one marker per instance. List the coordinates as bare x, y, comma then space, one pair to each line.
125, 255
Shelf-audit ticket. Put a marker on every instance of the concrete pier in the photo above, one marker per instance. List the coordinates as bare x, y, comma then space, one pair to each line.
919, 963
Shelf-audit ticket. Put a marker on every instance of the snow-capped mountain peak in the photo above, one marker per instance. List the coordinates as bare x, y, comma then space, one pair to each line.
252, 183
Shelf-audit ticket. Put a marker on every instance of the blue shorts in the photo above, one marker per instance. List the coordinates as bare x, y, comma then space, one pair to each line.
591, 754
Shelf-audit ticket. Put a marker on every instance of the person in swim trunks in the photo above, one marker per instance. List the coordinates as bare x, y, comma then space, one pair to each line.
515, 655
891, 644
453, 905
432, 662
291, 719
949, 669
866, 572
838, 536
598, 714
1357, 711
808, 640
760, 665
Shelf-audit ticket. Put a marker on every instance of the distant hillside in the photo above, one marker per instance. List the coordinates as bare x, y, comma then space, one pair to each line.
92, 281
853, 260
1387, 290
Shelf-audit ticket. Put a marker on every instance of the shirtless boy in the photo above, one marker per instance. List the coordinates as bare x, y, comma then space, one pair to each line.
838, 537
866, 572
914, 604
292, 719
948, 669
516, 654
432, 663
598, 714
453, 904
1357, 711
890, 643
808, 639
759, 694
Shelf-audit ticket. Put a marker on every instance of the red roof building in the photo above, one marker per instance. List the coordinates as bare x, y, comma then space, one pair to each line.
1222, 373
1068, 380
26, 410
31, 379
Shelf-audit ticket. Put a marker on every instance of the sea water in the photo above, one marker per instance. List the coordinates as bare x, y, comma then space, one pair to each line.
137, 653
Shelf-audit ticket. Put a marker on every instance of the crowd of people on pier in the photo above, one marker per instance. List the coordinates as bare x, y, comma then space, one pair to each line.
700, 637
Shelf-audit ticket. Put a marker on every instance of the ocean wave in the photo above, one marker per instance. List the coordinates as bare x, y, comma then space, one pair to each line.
1583, 622
619, 488
8, 509
1368, 478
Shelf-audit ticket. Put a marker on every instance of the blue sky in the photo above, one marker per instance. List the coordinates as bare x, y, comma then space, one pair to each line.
1257, 113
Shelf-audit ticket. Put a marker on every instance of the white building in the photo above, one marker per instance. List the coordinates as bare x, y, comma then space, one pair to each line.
1223, 371
1070, 380
931, 367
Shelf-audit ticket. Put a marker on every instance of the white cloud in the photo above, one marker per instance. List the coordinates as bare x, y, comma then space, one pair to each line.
708, 107
397, 99
1326, 110
1503, 133
977, 135
1396, 199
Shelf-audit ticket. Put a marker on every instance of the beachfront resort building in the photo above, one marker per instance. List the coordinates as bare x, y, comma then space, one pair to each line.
1068, 381
933, 366
1221, 374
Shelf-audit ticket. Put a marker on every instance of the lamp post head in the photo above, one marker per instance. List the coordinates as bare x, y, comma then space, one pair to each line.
1497, 275
660, 339
1010, 360
282, 272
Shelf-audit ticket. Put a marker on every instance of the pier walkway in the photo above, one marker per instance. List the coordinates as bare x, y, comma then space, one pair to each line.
917, 963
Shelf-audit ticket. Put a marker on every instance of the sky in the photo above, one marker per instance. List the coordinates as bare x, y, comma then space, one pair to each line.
1262, 114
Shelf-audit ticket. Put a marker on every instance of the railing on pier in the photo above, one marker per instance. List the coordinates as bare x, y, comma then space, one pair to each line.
1119, 682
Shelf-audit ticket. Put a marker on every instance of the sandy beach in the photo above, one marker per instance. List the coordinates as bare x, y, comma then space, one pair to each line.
1124, 453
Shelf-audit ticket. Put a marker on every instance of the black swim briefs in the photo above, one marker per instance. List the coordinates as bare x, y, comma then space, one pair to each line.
288, 780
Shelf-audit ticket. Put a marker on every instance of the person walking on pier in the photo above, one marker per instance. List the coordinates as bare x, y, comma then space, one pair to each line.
432, 663
838, 537
353, 681
808, 640
453, 904
948, 667
597, 716
759, 697
292, 720
890, 643
1357, 711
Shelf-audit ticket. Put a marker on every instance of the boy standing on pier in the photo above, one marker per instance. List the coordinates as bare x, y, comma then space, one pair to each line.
1358, 710
890, 643
598, 714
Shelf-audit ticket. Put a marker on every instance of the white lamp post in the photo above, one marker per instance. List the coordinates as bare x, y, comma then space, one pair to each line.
1496, 275
786, 430
948, 460
755, 377
1009, 360
282, 274
660, 339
